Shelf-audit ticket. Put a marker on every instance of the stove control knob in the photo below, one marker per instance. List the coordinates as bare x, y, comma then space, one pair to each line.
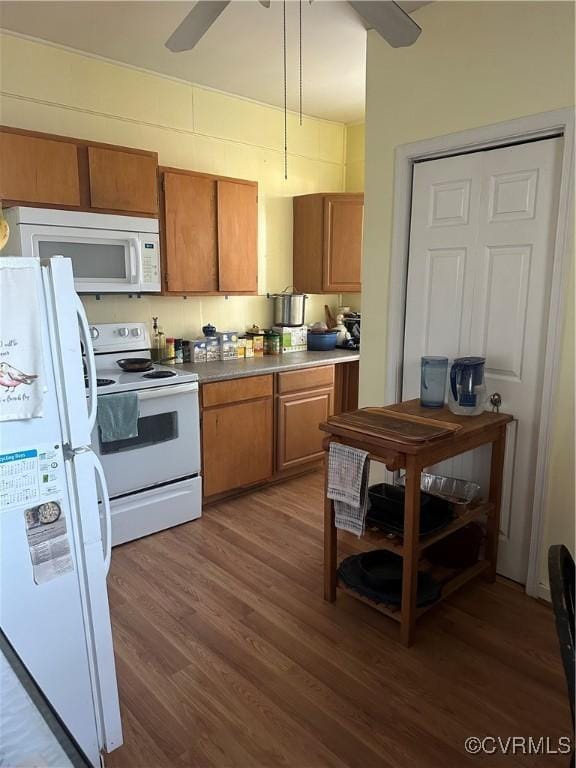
94, 332
136, 332
123, 332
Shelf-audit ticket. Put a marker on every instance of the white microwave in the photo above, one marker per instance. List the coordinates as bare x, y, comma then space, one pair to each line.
109, 254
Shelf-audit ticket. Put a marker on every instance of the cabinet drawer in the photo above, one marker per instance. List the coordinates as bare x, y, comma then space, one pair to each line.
236, 390
308, 378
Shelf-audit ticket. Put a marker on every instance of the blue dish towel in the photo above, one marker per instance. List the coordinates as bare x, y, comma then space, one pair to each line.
117, 416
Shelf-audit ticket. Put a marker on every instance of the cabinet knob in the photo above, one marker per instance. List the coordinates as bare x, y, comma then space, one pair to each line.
496, 402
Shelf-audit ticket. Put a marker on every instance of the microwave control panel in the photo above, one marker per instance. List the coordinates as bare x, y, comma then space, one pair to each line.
150, 254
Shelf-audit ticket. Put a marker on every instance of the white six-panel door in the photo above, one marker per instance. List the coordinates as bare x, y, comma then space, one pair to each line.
479, 273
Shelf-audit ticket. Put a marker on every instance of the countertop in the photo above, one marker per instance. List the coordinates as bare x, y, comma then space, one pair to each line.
219, 370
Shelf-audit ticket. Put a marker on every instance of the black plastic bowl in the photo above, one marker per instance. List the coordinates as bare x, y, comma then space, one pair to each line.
380, 569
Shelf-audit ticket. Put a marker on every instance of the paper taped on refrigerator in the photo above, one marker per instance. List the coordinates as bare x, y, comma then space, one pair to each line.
21, 369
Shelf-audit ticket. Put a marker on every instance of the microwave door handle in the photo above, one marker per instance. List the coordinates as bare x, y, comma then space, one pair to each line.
90, 363
135, 261
101, 479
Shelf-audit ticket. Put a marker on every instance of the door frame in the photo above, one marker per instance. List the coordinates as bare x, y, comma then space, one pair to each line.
532, 127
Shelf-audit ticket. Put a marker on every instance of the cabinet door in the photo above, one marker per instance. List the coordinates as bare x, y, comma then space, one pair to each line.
299, 436
37, 170
237, 443
237, 237
343, 219
191, 256
123, 181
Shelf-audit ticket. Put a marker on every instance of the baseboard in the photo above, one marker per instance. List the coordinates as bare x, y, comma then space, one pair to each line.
543, 593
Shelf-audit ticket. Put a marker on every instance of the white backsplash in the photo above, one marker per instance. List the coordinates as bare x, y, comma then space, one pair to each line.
184, 318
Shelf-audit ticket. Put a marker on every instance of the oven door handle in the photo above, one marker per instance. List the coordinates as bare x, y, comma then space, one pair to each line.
101, 479
179, 389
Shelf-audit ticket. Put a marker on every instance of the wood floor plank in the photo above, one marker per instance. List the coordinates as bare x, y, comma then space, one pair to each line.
228, 656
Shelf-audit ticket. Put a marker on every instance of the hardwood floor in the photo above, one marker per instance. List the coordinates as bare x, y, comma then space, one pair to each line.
228, 656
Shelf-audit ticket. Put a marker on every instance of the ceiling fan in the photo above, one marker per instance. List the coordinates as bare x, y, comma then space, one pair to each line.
384, 16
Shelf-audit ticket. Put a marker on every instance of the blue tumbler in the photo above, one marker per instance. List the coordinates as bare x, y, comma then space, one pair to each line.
433, 372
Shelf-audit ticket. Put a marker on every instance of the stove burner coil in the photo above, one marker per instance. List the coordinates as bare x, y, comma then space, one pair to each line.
100, 382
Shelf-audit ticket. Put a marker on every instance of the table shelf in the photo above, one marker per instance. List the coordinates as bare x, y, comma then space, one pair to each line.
395, 544
457, 579
451, 580
392, 611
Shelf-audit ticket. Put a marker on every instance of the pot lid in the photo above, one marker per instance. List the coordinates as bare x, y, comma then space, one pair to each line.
287, 292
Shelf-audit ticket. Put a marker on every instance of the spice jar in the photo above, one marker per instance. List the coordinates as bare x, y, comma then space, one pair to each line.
178, 353
271, 343
170, 349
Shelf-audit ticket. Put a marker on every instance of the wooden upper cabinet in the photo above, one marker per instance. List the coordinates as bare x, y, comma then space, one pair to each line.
190, 233
210, 233
121, 180
237, 237
328, 242
38, 170
343, 220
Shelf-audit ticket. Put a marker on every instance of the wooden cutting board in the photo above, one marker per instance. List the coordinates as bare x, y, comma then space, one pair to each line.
390, 425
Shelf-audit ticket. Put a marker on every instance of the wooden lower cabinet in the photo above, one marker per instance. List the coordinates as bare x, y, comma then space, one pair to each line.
299, 438
237, 434
265, 428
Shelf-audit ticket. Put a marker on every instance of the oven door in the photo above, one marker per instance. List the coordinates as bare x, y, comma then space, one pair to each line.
167, 446
103, 261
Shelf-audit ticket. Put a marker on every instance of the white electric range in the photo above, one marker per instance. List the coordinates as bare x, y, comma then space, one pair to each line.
153, 479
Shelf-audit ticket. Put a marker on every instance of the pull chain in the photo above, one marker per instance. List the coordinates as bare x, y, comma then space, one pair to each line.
300, 53
285, 92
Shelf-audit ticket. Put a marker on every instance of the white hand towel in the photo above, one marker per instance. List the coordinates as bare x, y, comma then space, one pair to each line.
21, 369
347, 486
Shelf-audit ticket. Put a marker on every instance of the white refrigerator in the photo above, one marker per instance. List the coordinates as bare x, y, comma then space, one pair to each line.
55, 542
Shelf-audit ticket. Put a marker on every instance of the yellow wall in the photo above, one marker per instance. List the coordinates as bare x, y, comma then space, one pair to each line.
475, 63
48, 88
355, 148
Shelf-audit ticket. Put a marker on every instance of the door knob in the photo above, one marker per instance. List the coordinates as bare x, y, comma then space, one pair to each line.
496, 402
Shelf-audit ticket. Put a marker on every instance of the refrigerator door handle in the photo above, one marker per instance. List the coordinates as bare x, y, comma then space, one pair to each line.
90, 362
107, 513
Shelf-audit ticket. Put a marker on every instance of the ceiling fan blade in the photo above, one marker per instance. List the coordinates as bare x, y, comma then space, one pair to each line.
389, 20
195, 25
265, 3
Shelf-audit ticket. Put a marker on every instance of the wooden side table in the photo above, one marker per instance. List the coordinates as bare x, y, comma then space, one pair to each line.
414, 457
